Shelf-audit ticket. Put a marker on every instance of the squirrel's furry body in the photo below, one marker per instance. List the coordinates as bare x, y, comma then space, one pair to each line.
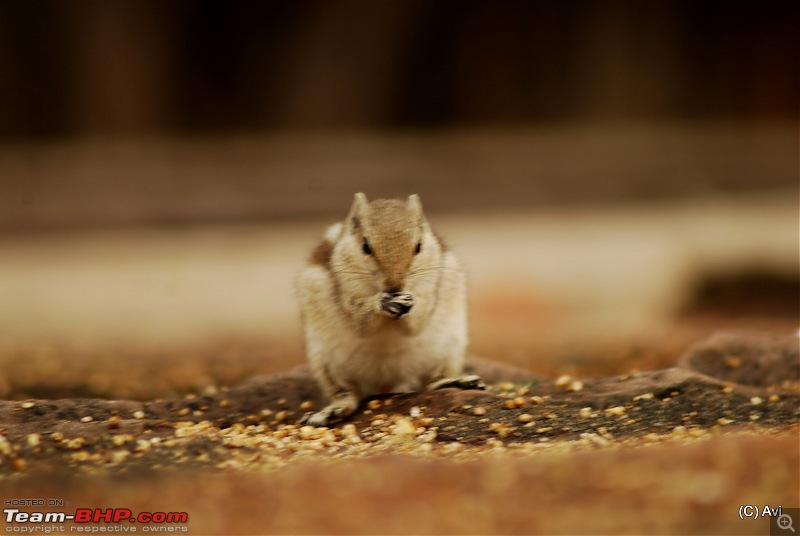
384, 308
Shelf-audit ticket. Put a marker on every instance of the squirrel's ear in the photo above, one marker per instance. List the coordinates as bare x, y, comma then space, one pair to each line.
358, 210
414, 205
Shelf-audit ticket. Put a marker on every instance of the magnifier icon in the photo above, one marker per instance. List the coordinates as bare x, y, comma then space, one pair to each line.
784, 522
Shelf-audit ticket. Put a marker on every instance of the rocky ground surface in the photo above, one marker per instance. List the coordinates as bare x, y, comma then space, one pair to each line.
673, 450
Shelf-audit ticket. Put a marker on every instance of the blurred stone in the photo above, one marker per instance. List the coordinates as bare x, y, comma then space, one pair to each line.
747, 359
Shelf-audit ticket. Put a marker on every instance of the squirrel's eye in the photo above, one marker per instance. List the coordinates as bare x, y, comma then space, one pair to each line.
418, 248
365, 248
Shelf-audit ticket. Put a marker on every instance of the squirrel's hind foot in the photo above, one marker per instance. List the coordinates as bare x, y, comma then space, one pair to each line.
471, 381
336, 410
316, 418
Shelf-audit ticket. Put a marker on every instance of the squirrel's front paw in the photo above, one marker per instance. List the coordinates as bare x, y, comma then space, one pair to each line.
396, 304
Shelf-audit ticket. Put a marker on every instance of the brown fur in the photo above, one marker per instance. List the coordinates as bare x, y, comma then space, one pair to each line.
321, 255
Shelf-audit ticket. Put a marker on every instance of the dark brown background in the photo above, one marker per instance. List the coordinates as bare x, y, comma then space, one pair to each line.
192, 112
100, 68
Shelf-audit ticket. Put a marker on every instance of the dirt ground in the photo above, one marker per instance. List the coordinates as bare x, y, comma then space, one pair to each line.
666, 451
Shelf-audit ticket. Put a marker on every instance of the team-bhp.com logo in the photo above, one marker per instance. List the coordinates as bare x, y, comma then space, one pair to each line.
118, 515
94, 516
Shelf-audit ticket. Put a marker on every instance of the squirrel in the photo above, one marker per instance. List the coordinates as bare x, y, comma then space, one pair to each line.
384, 308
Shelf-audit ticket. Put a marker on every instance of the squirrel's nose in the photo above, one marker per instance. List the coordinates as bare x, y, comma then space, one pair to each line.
394, 282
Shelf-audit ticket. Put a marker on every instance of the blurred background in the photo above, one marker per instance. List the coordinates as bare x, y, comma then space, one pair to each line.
620, 177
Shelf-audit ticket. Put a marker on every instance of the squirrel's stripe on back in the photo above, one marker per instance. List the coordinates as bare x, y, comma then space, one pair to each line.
442, 243
321, 255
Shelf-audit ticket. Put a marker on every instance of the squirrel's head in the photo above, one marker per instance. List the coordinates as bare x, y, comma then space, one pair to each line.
387, 241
